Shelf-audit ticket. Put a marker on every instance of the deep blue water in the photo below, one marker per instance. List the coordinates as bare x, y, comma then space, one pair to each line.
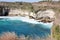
20, 27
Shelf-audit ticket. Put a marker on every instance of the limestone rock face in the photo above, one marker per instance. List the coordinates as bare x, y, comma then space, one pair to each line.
45, 16
19, 12
46, 13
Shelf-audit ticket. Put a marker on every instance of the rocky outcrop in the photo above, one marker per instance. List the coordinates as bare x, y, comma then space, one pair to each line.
18, 12
47, 13
45, 16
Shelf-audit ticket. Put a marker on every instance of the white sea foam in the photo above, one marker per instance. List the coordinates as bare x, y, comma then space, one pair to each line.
26, 19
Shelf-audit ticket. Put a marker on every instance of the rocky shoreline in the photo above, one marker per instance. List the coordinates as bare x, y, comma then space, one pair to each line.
45, 16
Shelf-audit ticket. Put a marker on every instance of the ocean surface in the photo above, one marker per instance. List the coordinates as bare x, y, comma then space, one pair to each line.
25, 28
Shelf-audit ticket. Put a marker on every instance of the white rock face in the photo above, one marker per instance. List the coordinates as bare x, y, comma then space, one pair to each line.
19, 12
47, 13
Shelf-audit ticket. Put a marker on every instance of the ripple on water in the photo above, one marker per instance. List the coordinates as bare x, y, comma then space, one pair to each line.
20, 27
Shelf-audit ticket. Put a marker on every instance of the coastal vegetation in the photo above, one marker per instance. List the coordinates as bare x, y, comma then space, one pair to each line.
56, 32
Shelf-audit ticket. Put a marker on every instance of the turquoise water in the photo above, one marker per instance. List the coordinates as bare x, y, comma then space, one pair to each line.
20, 27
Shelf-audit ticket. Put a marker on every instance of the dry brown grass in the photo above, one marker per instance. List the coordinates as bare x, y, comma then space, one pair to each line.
8, 36
11, 36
